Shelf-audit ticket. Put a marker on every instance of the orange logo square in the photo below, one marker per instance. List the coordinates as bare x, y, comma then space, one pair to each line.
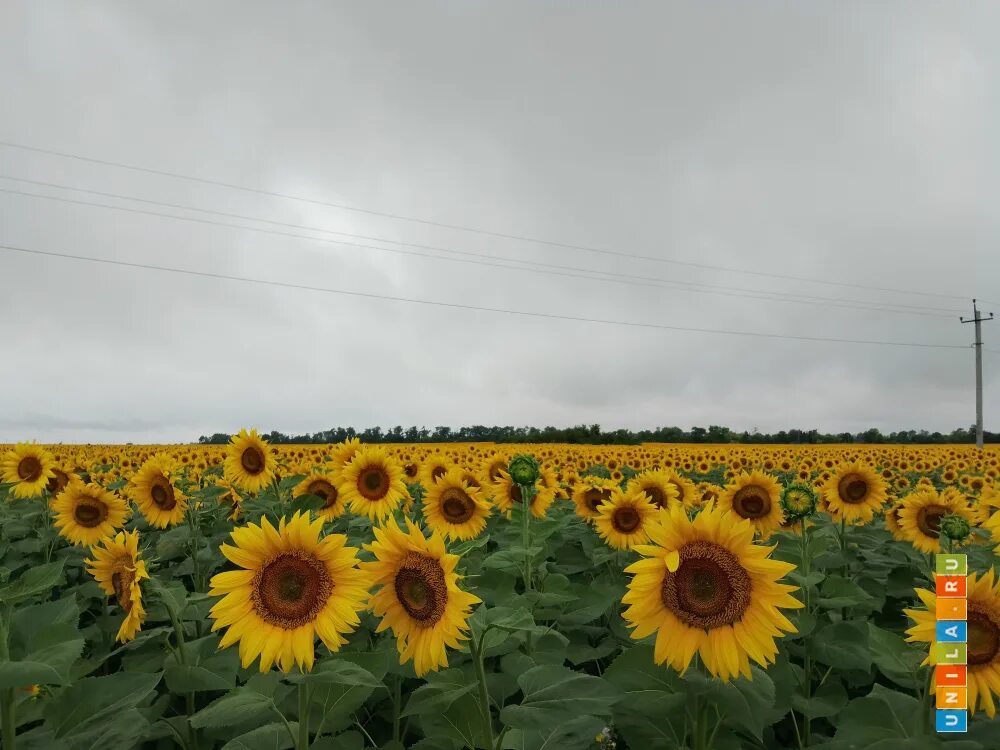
951, 675
953, 697
952, 609
950, 586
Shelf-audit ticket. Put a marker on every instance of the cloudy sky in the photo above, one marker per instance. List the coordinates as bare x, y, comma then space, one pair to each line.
725, 156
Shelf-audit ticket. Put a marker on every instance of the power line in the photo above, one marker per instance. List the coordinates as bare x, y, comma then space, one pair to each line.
453, 305
460, 227
603, 275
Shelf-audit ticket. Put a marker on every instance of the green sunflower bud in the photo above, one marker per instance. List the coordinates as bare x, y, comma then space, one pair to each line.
798, 501
955, 527
524, 470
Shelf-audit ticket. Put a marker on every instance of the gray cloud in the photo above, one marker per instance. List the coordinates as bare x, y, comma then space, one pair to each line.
848, 142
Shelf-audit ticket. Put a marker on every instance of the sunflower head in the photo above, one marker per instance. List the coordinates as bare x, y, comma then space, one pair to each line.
118, 569
250, 463
455, 508
798, 501
854, 493
372, 482
756, 497
623, 521
87, 513
591, 493
29, 467
657, 487
154, 491
955, 527
323, 486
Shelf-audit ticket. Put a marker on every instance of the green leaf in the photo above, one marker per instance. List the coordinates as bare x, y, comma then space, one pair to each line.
837, 593
338, 672
440, 691
239, 706
20, 674
34, 581
268, 737
895, 658
828, 700
842, 645
572, 735
86, 707
554, 694
185, 678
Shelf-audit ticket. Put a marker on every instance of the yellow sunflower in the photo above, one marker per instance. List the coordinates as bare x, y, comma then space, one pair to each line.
29, 467
983, 637
687, 491
250, 462
293, 586
622, 522
118, 568
60, 480
854, 493
892, 523
86, 513
153, 491
592, 492
343, 452
755, 496
454, 508
419, 597
323, 486
506, 494
657, 486
432, 468
372, 482
704, 587
921, 514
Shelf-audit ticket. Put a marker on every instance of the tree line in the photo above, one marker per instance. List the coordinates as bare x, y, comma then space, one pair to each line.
594, 435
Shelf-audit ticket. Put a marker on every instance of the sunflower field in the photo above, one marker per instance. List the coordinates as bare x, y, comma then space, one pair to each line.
498, 597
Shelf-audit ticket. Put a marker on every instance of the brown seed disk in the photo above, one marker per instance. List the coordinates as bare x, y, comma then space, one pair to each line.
122, 581
595, 497
626, 519
852, 489
291, 589
29, 469
421, 589
983, 636
252, 460
438, 471
709, 588
752, 502
90, 512
929, 519
162, 494
373, 483
456, 505
656, 496
58, 483
323, 490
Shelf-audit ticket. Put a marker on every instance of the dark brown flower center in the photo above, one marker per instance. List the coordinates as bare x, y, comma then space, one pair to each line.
852, 489
709, 588
929, 519
122, 581
162, 494
291, 589
58, 483
594, 497
29, 469
438, 471
656, 496
752, 502
680, 489
626, 519
252, 460
515, 493
456, 505
421, 589
373, 483
90, 512
495, 468
323, 490
983, 637
411, 470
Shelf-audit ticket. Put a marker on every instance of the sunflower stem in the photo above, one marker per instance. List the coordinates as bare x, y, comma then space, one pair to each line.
925, 703
8, 726
484, 696
397, 705
303, 741
807, 659
843, 550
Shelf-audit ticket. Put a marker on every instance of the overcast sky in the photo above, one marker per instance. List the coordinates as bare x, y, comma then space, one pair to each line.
848, 142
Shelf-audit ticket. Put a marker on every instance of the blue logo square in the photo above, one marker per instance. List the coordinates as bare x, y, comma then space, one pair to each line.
952, 631
951, 721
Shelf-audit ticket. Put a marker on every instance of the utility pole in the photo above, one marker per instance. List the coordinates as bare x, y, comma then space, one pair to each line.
979, 370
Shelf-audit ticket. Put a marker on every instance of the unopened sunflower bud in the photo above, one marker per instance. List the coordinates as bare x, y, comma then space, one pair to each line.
524, 470
798, 501
955, 527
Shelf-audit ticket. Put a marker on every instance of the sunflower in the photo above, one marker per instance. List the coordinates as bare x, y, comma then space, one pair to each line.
687, 491
592, 492
854, 493
29, 467
704, 587
506, 493
432, 468
153, 491
343, 452
60, 480
921, 514
755, 496
892, 523
250, 463
372, 482
293, 586
492, 467
118, 568
622, 521
323, 486
657, 486
419, 597
982, 637
86, 513
454, 508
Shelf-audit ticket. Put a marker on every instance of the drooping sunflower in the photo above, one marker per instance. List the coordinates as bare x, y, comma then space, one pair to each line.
982, 636
419, 597
372, 482
153, 490
86, 513
657, 486
755, 496
454, 508
29, 467
921, 514
622, 522
592, 492
293, 586
118, 569
704, 587
250, 463
323, 486
854, 493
